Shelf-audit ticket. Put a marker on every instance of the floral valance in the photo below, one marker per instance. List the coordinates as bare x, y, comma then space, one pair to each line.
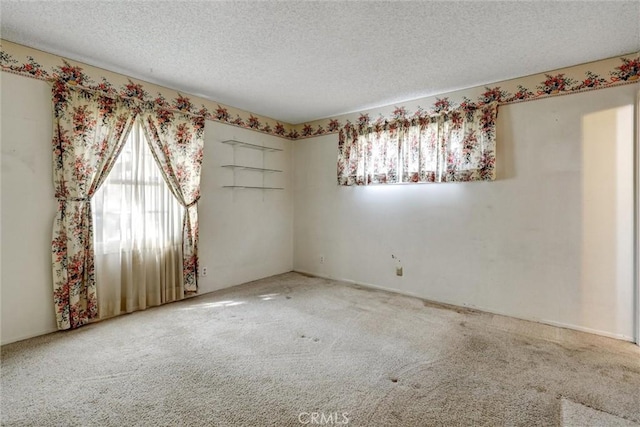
454, 145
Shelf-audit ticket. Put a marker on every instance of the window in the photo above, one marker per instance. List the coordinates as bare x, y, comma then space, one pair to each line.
137, 232
453, 145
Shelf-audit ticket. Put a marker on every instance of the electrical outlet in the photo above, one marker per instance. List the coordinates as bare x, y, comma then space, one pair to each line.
398, 271
203, 271
321, 259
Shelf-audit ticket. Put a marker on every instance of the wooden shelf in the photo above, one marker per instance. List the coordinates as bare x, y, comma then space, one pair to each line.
250, 146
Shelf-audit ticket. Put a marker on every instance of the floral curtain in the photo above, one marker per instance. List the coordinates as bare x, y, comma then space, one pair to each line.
454, 145
89, 131
176, 141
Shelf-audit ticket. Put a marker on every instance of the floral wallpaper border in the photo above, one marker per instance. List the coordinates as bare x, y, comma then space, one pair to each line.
580, 78
25, 61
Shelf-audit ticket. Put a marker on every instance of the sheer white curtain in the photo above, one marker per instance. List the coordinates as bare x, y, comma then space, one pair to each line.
138, 234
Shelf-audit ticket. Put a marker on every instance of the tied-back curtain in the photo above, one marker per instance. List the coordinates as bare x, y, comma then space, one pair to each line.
456, 145
176, 142
89, 130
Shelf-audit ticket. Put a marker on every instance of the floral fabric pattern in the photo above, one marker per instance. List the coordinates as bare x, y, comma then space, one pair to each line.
177, 143
601, 74
89, 132
453, 145
90, 129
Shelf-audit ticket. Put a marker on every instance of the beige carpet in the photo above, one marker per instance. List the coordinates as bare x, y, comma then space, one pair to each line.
577, 415
292, 350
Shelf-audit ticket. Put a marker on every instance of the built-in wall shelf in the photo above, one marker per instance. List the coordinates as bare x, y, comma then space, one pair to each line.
250, 168
248, 145
251, 163
252, 187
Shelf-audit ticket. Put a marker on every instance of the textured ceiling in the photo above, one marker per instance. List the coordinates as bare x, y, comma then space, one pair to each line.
297, 61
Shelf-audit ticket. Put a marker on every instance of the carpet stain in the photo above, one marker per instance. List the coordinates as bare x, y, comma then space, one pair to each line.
478, 344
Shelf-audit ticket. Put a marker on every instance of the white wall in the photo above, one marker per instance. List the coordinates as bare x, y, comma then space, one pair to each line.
28, 209
244, 235
551, 240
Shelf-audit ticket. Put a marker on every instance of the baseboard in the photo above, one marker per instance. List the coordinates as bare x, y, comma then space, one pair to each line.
554, 323
579, 328
26, 336
225, 287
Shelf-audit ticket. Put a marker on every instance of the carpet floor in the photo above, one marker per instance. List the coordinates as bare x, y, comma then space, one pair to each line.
293, 350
